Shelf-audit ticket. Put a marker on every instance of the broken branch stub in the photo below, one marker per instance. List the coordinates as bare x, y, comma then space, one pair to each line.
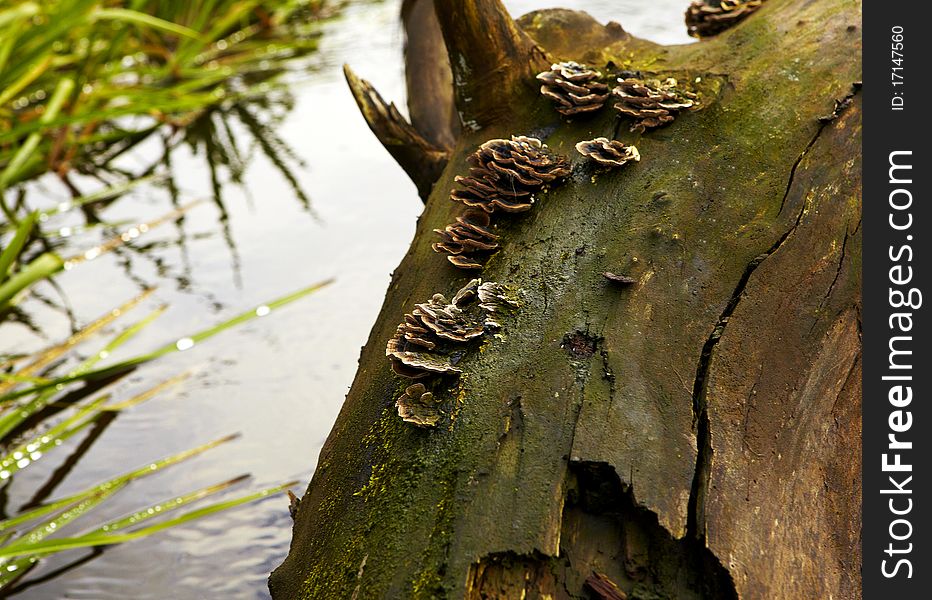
420, 159
428, 79
491, 58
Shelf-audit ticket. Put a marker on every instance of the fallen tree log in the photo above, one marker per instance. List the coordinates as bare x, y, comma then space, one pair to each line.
693, 434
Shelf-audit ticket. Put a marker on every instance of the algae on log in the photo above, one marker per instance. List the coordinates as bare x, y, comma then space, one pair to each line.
693, 435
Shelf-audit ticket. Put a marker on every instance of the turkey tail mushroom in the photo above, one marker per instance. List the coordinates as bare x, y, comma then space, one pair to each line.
651, 103
430, 339
506, 174
708, 18
418, 406
420, 159
423, 342
468, 241
573, 88
491, 58
608, 153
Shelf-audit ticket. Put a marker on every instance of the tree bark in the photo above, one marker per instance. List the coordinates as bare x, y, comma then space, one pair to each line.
693, 435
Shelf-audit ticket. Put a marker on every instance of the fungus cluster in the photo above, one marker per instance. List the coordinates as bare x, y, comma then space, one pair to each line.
708, 18
468, 241
427, 341
651, 103
504, 176
608, 153
573, 88
432, 339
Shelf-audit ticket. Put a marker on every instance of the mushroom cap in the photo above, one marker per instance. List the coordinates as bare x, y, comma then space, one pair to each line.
495, 297
574, 88
468, 235
505, 174
421, 345
651, 103
611, 153
464, 263
704, 19
572, 71
418, 406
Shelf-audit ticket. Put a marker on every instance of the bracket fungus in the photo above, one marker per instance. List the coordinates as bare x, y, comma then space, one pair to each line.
418, 406
429, 341
505, 174
651, 103
574, 88
708, 18
426, 342
608, 153
468, 241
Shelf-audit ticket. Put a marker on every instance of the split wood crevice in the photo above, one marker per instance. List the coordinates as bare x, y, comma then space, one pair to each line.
712, 401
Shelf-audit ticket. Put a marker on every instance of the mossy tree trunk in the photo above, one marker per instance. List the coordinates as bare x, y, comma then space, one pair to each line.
694, 435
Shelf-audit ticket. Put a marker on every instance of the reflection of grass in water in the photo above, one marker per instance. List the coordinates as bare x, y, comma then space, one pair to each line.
47, 399
84, 83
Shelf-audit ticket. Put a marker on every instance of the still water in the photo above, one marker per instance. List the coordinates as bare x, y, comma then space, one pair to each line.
279, 381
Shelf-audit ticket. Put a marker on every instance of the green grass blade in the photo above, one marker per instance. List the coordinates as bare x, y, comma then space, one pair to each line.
49, 264
139, 18
20, 84
20, 548
175, 346
144, 396
15, 378
138, 473
160, 508
70, 513
11, 252
23, 11
13, 418
103, 539
156, 510
105, 194
46, 357
61, 93
32, 450
40, 268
